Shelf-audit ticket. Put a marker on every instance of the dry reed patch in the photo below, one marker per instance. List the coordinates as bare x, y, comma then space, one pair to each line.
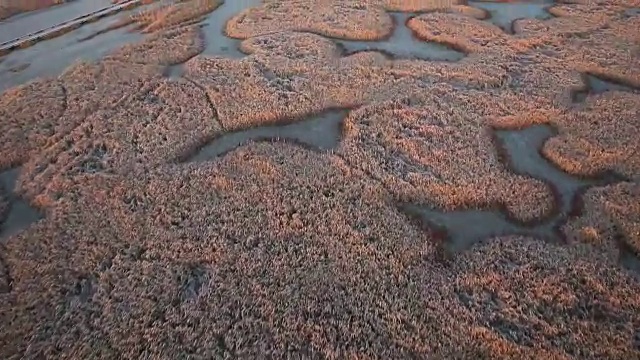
271, 249
436, 150
355, 20
102, 85
29, 114
567, 300
600, 136
460, 32
165, 16
167, 47
293, 46
625, 3
419, 5
10, 8
36, 114
609, 215
570, 20
293, 74
157, 124
613, 52
593, 38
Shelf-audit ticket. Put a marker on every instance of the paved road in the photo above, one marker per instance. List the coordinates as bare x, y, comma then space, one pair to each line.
24, 24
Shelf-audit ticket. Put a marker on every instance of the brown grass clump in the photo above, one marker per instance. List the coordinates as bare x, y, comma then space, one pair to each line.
167, 47
351, 19
602, 135
10, 8
166, 16
434, 150
420, 5
610, 218
35, 115
271, 250
293, 74
29, 114
527, 298
158, 123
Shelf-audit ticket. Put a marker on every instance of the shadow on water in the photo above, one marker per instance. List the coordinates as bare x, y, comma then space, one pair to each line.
21, 214
521, 152
403, 44
320, 132
597, 85
503, 14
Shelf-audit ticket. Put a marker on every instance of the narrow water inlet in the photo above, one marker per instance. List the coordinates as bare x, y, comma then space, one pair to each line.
522, 154
217, 43
503, 14
403, 44
598, 85
321, 132
21, 214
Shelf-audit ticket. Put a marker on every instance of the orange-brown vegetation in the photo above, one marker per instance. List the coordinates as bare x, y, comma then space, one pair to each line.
10, 8
154, 124
431, 150
419, 5
272, 250
530, 299
592, 37
304, 255
168, 15
350, 19
30, 114
610, 218
166, 47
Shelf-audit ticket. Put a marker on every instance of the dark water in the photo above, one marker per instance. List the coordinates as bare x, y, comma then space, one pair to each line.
320, 132
403, 44
464, 228
217, 42
598, 85
503, 14
21, 214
